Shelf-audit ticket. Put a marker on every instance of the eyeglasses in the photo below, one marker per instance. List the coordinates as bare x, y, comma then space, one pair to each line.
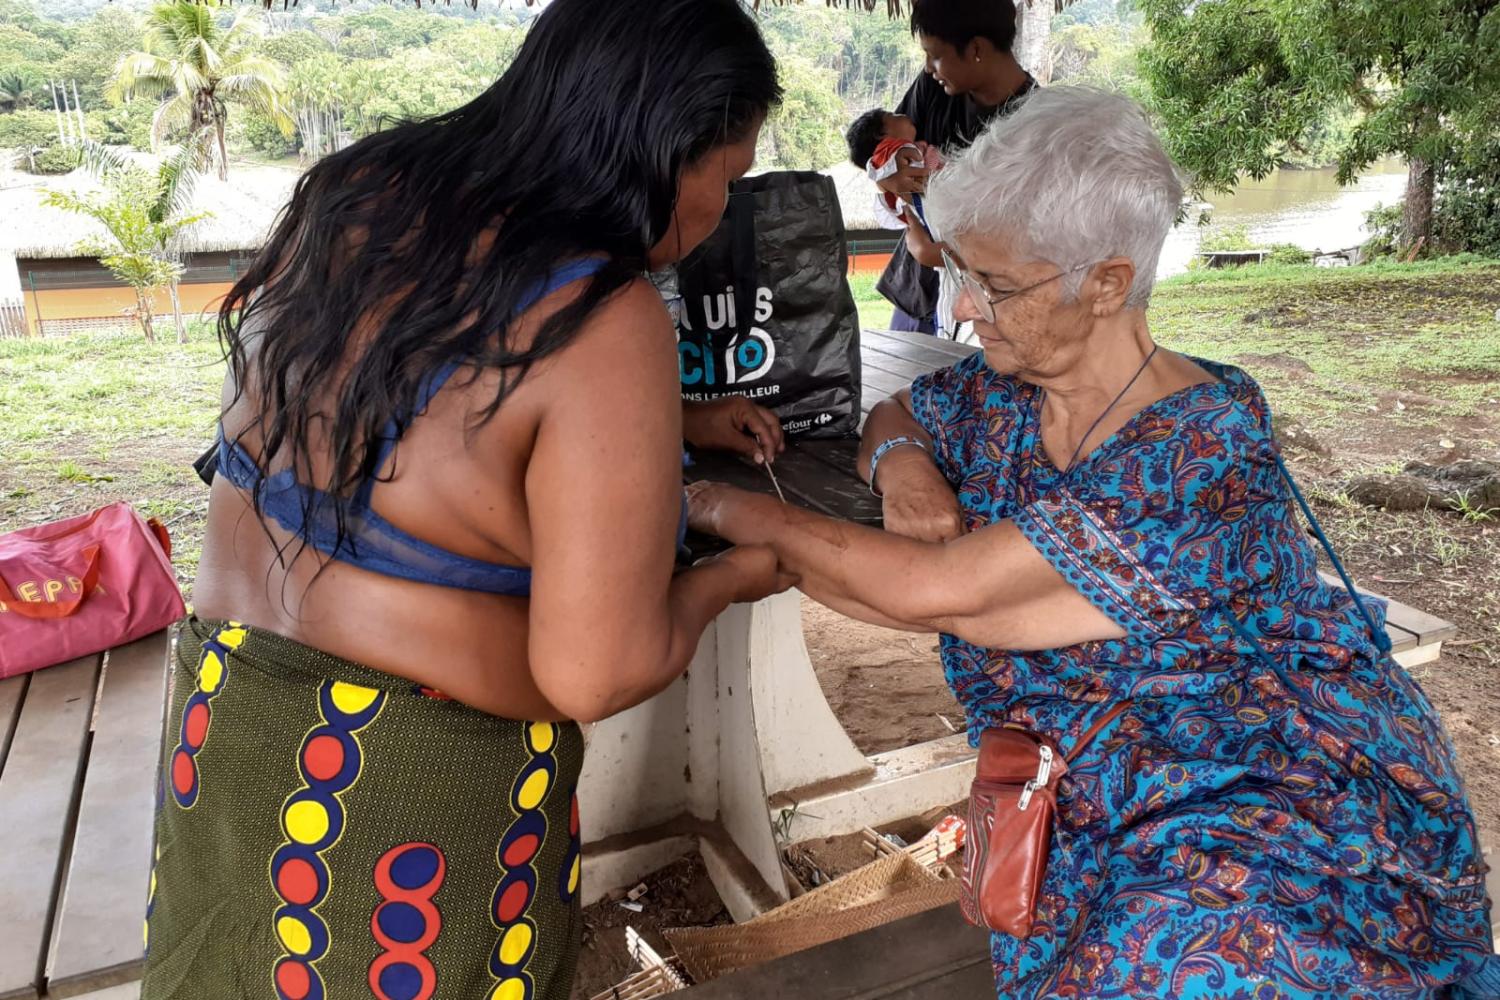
981, 297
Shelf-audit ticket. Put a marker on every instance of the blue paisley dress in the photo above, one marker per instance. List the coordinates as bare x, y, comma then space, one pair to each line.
1281, 822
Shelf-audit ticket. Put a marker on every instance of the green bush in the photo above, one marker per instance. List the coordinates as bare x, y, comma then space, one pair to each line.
56, 159
1226, 238
127, 124
1466, 215
255, 129
27, 129
1288, 253
1383, 223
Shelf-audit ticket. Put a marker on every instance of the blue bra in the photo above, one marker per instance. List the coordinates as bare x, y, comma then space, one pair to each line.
370, 541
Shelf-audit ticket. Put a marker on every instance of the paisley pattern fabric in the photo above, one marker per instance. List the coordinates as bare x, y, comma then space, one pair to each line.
1276, 820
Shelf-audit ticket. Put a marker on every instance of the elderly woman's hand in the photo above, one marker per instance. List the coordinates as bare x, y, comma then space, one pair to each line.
917, 501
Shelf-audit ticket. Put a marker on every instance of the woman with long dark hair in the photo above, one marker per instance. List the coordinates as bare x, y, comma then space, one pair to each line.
449, 500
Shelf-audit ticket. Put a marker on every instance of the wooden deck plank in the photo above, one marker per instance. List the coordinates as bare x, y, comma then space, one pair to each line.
98, 938
871, 359
38, 789
954, 351
1429, 628
1423, 629
927, 359
12, 693
931, 956
886, 383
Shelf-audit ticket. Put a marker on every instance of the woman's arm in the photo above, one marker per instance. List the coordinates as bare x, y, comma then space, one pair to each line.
920, 244
990, 587
610, 623
916, 500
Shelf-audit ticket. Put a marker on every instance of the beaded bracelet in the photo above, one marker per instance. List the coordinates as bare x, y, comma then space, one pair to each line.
880, 451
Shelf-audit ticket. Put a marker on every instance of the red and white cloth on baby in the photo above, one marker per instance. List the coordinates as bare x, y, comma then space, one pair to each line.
889, 211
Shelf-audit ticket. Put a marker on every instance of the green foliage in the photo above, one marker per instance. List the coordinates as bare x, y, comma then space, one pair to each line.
124, 124
384, 31
414, 83
255, 129
142, 213
55, 159
291, 47
1288, 253
27, 129
804, 133
199, 67
1324, 141
1383, 223
21, 48
1226, 238
96, 48
1097, 55
1468, 200
19, 90
1242, 85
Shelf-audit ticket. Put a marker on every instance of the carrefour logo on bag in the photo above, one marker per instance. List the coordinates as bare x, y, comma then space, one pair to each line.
745, 357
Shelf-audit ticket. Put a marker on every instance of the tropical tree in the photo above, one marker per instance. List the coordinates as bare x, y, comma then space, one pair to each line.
17, 92
199, 69
1238, 84
144, 215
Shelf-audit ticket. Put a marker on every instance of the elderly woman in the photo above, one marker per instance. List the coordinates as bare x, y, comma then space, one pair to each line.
1278, 811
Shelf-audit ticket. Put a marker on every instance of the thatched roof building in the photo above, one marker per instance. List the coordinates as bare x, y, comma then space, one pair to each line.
242, 210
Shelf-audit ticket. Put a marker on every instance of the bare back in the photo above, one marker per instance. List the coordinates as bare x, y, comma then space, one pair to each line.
463, 490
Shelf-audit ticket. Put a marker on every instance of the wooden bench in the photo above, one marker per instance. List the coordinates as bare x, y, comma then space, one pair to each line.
78, 762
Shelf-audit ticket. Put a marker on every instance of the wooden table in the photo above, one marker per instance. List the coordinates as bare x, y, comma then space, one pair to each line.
78, 762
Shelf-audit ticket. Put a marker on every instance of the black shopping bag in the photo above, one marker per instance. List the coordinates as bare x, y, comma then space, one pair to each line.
767, 311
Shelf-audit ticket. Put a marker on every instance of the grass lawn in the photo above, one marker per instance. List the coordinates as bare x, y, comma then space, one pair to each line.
1374, 366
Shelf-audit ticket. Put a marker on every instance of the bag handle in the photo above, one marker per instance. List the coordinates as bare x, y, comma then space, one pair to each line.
160, 531
1378, 636
52, 610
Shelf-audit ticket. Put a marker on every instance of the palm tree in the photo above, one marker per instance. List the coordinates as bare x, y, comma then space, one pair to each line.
199, 69
17, 92
145, 216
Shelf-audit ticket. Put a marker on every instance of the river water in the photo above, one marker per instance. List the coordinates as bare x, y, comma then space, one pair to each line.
1305, 207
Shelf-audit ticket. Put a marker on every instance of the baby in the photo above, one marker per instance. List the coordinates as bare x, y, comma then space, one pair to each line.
881, 141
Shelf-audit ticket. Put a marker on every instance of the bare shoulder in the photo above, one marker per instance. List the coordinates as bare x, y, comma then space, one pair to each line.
628, 334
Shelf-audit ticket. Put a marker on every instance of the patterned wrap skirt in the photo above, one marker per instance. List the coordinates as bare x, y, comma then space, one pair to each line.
326, 830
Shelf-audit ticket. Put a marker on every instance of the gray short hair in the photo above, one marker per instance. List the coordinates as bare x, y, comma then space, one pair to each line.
1075, 175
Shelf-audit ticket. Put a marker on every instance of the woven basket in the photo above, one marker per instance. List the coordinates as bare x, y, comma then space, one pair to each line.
880, 892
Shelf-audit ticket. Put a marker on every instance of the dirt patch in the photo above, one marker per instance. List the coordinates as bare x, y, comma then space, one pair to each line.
886, 687
680, 895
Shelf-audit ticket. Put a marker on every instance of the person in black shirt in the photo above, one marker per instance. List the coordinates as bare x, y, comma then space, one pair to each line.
969, 79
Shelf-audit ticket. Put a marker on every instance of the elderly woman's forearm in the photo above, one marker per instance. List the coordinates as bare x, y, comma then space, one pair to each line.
869, 574
889, 419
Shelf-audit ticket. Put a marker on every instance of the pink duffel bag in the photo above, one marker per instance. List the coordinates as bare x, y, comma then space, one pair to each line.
75, 587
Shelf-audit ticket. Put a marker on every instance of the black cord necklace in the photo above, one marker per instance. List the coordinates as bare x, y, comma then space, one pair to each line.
1114, 403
